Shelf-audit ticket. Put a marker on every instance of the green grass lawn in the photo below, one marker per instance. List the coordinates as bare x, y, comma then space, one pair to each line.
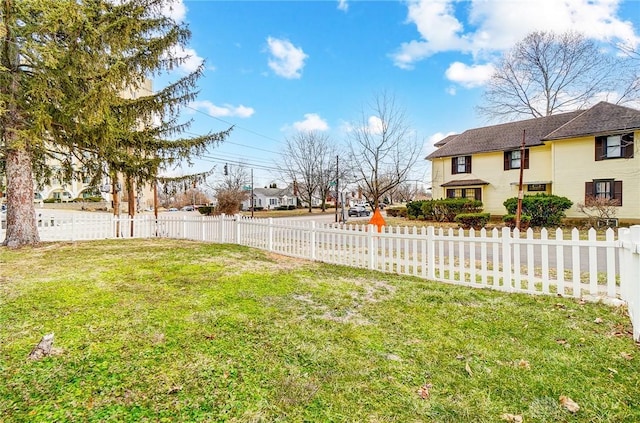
189, 332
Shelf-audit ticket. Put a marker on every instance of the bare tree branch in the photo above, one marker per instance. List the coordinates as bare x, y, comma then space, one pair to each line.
383, 148
549, 73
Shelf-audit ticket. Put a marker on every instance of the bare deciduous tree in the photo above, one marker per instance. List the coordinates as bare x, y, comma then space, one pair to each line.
549, 73
230, 193
307, 160
383, 148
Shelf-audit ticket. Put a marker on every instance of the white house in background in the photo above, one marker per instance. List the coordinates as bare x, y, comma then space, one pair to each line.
271, 198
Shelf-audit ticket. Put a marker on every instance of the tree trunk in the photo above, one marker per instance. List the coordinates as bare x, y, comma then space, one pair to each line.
22, 228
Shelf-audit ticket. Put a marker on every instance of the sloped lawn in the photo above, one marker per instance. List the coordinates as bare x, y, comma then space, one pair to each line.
189, 332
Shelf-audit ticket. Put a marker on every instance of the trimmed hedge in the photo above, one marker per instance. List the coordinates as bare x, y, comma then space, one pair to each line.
544, 209
472, 220
206, 210
446, 210
510, 220
397, 211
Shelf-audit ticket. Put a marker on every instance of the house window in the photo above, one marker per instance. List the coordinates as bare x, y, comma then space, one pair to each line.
273, 201
513, 159
614, 147
471, 193
537, 187
608, 189
461, 164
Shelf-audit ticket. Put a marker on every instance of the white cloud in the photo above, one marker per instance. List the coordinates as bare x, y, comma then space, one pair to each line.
374, 125
175, 9
343, 5
286, 59
193, 61
226, 110
496, 25
311, 122
469, 76
438, 136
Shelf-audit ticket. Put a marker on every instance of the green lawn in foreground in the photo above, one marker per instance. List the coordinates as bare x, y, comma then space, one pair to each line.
184, 331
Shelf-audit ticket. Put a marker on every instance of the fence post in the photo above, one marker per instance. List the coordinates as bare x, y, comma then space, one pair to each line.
73, 227
507, 283
313, 240
237, 222
431, 252
629, 274
270, 240
373, 247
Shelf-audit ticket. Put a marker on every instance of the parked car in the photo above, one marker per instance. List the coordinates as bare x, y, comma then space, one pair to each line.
358, 211
173, 209
188, 208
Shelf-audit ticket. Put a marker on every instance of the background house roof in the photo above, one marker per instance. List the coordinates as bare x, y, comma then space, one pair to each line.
603, 118
503, 137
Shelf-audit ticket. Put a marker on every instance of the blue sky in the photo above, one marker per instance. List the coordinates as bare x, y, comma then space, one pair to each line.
275, 67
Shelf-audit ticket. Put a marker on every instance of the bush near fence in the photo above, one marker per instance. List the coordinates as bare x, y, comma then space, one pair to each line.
545, 210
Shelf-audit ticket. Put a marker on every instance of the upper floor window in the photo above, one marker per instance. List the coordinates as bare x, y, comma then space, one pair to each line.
513, 159
460, 164
614, 146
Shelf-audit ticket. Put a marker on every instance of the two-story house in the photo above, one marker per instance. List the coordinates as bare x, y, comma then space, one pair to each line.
581, 154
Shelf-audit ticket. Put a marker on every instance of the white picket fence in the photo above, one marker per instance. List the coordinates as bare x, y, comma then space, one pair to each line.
557, 263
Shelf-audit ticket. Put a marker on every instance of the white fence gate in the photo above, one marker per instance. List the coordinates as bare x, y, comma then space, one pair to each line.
552, 263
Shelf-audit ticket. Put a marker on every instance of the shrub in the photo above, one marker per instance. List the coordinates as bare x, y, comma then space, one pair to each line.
291, 207
472, 220
414, 208
510, 220
206, 210
427, 209
397, 211
544, 209
447, 209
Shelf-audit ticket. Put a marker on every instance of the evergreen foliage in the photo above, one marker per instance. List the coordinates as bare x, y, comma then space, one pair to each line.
68, 74
545, 210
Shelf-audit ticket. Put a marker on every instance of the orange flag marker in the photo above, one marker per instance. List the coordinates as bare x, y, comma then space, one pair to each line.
377, 220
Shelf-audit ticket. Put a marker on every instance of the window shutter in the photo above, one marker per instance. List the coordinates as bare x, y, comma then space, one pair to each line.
617, 191
467, 166
526, 159
627, 141
599, 148
454, 165
478, 194
588, 191
507, 160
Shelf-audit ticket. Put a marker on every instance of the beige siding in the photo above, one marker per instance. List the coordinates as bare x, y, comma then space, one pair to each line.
574, 164
489, 167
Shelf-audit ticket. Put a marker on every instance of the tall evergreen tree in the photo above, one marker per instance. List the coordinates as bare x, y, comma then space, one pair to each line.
64, 66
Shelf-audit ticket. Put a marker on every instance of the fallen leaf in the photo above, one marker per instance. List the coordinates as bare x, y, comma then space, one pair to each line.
424, 391
561, 341
569, 404
558, 305
524, 364
582, 302
468, 369
175, 389
598, 320
460, 357
612, 370
512, 418
210, 336
626, 356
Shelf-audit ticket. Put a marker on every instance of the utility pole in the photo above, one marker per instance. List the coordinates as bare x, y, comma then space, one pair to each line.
337, 184
252, 205
520, 188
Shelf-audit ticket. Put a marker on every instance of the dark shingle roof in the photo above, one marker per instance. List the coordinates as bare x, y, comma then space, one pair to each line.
445, 140
603, 118
502, 137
